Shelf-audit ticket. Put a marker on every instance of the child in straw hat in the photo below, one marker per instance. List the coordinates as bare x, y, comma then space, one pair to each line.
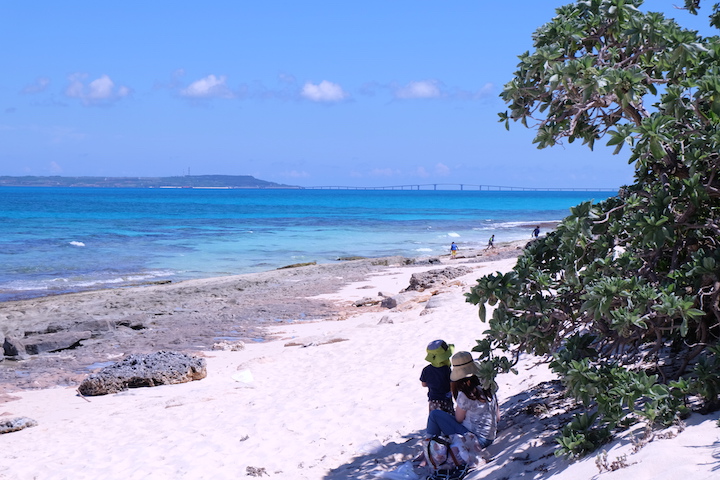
477, 409
436, 376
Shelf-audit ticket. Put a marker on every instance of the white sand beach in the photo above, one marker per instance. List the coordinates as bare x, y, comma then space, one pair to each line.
332, 399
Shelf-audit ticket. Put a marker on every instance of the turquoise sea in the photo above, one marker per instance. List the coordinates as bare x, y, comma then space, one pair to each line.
58, 240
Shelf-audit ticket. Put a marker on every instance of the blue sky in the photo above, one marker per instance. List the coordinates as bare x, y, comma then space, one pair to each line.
368, 93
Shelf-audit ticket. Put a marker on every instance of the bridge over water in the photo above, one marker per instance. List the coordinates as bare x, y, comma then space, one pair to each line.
461, 186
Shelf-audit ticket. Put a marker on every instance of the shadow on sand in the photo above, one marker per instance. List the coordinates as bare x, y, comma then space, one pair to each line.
524, 446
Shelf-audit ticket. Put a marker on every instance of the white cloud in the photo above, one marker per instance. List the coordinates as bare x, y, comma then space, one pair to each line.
99, 91
40, 85
323, 92
100, 88
208, 87
422, 89
442, 170
439, 170
76, 87
55, 167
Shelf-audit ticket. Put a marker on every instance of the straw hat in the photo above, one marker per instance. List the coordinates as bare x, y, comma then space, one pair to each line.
438, 353
463, 366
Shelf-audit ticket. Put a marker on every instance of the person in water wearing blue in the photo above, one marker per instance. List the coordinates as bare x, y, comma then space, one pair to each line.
536, 232
453, 249
436, 376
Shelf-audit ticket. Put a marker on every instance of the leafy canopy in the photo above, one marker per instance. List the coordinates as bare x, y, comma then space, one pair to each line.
625, 294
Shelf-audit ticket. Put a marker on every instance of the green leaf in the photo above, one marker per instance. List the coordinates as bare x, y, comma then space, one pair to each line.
482, 312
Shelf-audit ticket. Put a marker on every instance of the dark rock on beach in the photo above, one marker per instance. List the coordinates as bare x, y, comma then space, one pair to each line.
296, 265
424, 280
139, 370
399, 299
187, 317
367, 301
16, 424
49, 342
428, 261
13, 347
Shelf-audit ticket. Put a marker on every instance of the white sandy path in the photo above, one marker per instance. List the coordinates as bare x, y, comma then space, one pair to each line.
335, 410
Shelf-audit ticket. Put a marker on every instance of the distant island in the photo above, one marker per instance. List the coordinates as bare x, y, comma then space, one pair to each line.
187, 181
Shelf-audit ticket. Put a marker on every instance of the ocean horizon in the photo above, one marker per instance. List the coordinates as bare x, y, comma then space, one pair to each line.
58, 240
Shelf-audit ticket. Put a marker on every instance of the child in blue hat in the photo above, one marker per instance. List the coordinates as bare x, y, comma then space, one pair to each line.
436, 376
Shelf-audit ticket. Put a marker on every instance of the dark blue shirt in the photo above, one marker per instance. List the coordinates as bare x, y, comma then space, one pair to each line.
438, 382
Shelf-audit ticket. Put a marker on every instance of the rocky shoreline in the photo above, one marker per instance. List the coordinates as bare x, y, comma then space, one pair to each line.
288, 393
59, 340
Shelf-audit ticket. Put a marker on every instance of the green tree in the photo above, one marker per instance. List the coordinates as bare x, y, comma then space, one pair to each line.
624, 294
